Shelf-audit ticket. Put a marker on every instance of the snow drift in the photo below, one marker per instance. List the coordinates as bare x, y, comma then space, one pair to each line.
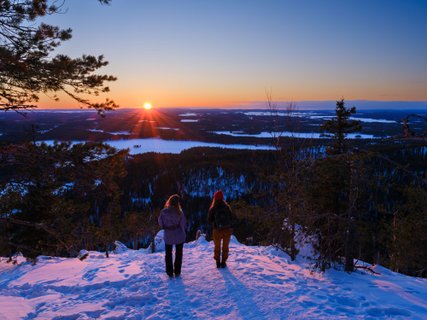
259, 283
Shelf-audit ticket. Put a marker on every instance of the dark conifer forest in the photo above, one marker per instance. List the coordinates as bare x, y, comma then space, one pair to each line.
351, 200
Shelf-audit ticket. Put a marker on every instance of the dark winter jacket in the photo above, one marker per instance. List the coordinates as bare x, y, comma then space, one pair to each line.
173, 224
220, 216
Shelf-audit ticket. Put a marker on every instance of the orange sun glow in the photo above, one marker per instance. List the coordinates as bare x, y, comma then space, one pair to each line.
148, 106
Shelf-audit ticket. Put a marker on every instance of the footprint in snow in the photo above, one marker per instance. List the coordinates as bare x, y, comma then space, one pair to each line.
90, 275
308, 304
345, 301
388, 312
412, 291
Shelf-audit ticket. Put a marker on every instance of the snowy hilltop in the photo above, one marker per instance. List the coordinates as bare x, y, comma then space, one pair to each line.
259, 283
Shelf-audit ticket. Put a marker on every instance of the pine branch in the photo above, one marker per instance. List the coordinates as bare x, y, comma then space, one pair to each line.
366, 268
40, 226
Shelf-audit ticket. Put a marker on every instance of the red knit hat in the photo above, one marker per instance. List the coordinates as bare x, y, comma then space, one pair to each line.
218, 195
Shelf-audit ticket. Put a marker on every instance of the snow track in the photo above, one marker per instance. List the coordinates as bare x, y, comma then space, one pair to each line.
259, 283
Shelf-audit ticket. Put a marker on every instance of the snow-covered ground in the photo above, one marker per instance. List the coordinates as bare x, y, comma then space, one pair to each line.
259, 283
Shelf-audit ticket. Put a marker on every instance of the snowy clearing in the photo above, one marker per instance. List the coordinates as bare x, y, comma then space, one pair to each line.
259, 283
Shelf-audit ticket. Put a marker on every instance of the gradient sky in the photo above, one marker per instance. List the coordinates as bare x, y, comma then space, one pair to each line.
205, 53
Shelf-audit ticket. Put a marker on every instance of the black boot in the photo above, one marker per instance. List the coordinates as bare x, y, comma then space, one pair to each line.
223, 264
218, 264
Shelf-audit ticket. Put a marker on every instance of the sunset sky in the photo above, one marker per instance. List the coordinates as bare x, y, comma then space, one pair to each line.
219, 53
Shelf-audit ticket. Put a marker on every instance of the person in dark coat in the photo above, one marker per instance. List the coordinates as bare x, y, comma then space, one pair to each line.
221, 218
173, 221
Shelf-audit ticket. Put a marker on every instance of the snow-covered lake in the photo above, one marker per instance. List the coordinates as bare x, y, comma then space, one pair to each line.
278, 114
116, 133
167, 128
311, 115
366, 120
139, 146
189, 120
304, 135
188, 114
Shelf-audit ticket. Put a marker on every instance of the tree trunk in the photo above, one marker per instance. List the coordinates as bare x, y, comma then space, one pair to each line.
349, 256
292, 244
349, 232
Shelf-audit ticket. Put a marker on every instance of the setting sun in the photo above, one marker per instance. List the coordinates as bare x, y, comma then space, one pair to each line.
148, 106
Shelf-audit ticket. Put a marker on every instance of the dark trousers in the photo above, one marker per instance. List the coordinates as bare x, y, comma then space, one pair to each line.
175, 267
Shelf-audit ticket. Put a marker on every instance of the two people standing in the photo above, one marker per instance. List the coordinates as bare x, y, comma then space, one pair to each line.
173, 221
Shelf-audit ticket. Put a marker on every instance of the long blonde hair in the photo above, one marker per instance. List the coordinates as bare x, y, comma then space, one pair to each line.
173, 202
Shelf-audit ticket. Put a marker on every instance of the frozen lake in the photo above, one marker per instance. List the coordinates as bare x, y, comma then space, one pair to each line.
139, 146
312, 115
302, 135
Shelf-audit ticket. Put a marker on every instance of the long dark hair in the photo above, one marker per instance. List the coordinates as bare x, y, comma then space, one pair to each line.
173, 202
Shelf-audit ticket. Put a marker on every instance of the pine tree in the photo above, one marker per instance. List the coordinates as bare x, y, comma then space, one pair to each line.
335, 192
340, 126
55, 199
28, 66
406, 232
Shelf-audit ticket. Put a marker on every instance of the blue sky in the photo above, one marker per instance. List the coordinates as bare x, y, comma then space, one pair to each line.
226, 53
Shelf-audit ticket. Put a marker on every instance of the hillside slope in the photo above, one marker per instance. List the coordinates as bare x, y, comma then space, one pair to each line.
259, 283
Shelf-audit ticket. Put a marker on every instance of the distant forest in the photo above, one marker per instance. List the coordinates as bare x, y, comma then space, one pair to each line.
349, 200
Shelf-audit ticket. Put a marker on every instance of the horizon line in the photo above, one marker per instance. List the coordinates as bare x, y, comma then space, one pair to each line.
279, 104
